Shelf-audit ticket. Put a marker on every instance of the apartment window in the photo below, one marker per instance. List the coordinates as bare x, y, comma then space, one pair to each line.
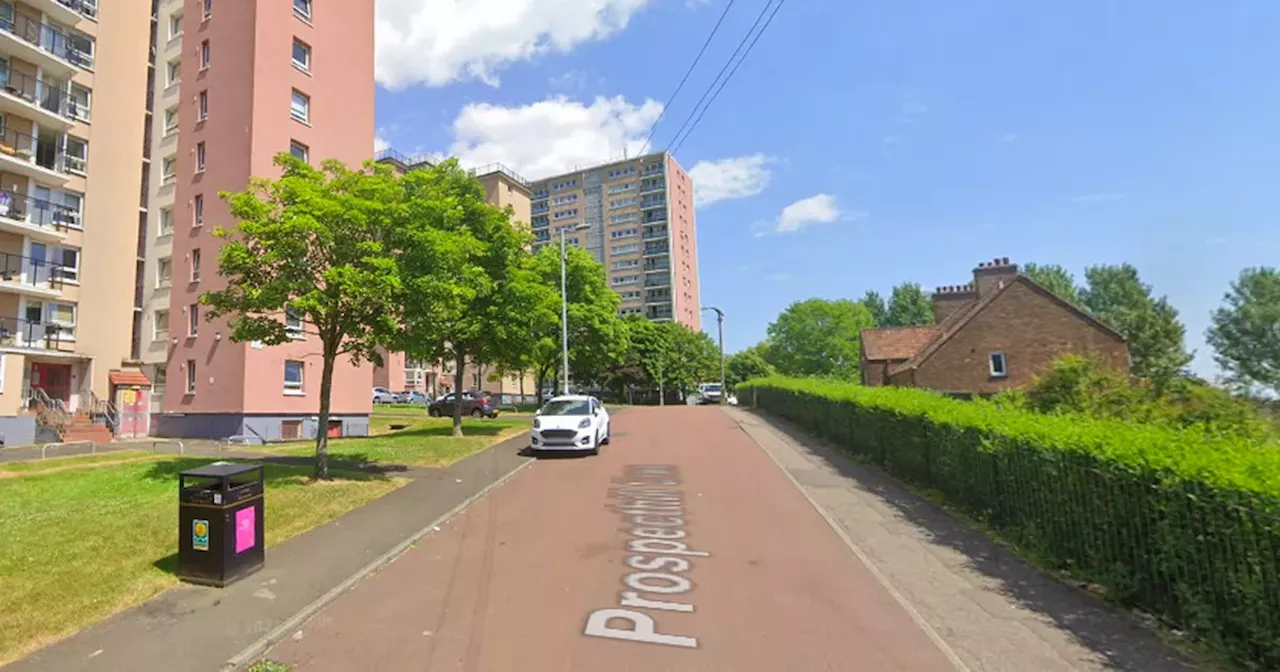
193, 319
200, 154
619, 188
77, 155
174, 73
624, 249
168, 169
302, 8
164, 272
63, 315
626, 280
170, 120
623, 233
175, 25
293, 377
198, 217
195, 265
628, 263
160, 325
80, 48
623, 219
300, 107
998, 365
72, 204
208, 9
293, 323
79, 101
561, 200
191, 376
299, 150
204, 105
204, 55
301, 55
165, 226
67, 260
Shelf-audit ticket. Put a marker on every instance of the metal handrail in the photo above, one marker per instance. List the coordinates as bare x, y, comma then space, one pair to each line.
19, 333
105, 408
44, 153
51, 96
48, 38
31, 271
37, 212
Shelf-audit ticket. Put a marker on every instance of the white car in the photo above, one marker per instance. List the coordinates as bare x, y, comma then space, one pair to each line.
571, 422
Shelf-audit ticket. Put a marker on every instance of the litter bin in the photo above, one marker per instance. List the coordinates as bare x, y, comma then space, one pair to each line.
220, 512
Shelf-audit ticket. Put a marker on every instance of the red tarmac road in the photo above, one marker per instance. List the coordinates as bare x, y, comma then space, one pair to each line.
726, 564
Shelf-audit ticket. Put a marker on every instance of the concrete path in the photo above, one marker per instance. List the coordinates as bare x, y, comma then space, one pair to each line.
199, 629
681, 546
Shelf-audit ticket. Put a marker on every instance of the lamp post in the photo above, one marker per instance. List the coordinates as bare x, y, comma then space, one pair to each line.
564, 302
720, 332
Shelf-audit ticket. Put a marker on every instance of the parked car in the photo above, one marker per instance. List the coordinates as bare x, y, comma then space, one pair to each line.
412, 397
382, 395
475, 405
571, 422
710, 393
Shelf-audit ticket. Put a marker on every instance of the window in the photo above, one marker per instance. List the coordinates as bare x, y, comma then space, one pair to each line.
293, 323
164, 272
77, 155
619, 188
67, 261
300, 107
299, 150
301, 55
80, 48
165, 226
623, 219
561, 200
208, 9
622, 202
626, 280
174, 72
63, 315
290, 430
71, 208
998, 365
622, 172
175, 25
302, 8
623, 233
204, 105
200, 154
627, 263
191, 376
78, 102
624, 249
193, 319
195, 265
168, 169
204, 55
198, 217
292, 377
170, 120
160, 325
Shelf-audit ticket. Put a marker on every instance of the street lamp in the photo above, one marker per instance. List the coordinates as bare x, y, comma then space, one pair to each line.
564, 301
720, 332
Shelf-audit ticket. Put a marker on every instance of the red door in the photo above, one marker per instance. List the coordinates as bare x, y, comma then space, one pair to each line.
54, 379
135, 407
335, 429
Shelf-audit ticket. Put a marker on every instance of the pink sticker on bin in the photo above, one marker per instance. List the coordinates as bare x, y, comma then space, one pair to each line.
246, 528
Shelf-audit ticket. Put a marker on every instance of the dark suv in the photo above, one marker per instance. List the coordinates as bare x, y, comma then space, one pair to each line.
477, 405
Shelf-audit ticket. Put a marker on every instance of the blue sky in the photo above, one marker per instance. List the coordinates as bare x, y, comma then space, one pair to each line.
864, 144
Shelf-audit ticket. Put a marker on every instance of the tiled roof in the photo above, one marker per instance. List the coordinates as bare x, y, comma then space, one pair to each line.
897, 343
129, 378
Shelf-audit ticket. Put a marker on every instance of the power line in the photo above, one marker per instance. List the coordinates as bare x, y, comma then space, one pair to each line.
730, 76
684, 79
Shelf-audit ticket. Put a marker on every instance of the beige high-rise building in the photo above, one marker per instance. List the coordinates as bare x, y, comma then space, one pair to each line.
72, 147
636, 217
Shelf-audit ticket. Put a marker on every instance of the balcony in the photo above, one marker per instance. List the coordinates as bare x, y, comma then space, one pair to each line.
651, 170
19, 333
39, 220
652, 202
41, 44
539, 209
651, 249
38, 158
30, 277
658, 281
45, 102
655, 234
659, 315
652, 185
65, 11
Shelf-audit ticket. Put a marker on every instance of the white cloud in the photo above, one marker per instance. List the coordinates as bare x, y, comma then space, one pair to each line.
1091, 199
380, 143
818, 209
552, 136
734, 177
438, 42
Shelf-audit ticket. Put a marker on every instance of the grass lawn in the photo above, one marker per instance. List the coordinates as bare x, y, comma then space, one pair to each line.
84, 537
424, 442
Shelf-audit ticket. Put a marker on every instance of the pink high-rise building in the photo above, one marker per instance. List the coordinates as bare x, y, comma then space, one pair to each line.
247, 79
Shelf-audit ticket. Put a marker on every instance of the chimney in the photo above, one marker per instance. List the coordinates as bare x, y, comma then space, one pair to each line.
992, 275
947, 300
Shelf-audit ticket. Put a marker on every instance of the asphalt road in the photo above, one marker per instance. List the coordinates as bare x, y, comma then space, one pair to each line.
681, 546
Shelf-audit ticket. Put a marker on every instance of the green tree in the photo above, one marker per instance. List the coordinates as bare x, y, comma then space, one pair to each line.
652, 353
471, 294
747, 364
819, 337
1150, 326
1054, 278
696, 357
597, 336
908, 307
1245, 333
874, 303
313, 243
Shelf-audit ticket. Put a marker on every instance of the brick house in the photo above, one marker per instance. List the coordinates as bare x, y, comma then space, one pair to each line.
993, 334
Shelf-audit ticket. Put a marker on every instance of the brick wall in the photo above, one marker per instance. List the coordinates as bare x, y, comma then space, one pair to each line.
1030, 328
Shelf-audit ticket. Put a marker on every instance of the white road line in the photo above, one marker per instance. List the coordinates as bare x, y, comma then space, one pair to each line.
858, 552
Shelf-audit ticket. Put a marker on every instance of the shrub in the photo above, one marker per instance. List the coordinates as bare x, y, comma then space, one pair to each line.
1165, 519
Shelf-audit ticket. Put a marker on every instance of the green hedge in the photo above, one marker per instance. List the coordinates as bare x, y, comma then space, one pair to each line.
1182, 527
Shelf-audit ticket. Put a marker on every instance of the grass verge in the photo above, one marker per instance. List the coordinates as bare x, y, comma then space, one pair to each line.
79, 544
424, 442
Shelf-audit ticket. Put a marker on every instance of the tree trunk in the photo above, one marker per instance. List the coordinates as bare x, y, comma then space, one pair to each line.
326, 391
662, 393
457, 406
